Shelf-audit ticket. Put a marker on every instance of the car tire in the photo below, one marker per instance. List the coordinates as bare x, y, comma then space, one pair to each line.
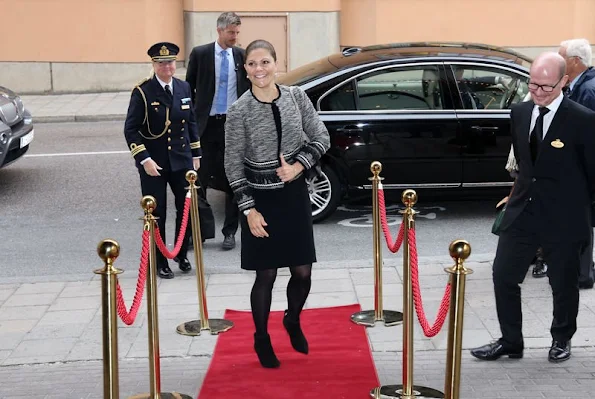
325, 193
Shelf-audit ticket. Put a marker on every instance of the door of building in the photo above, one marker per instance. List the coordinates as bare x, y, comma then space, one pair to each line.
270, 28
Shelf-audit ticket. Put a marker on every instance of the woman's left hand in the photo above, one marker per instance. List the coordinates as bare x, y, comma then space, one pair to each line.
196, 163
287, 172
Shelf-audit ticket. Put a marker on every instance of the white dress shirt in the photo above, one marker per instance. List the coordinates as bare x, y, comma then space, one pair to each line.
232, 92
547, 118
162, 83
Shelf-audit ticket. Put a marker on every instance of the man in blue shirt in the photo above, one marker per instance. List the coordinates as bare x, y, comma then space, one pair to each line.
217, 78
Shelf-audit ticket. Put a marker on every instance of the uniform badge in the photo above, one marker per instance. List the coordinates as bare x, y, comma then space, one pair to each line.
557, 143
155, 103
185, 106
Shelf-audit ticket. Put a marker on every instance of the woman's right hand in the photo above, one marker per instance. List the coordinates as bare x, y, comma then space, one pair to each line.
257, 224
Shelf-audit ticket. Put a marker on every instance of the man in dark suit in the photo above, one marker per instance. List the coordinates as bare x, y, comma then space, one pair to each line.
217, 76
581, 88
162, 135
554, 142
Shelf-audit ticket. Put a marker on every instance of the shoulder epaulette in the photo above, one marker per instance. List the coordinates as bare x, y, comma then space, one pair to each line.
140, 83
143, 81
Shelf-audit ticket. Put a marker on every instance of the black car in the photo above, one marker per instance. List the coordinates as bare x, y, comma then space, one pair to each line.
16, 127
436, 115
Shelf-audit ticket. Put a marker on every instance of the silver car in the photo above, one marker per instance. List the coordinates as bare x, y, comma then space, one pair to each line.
16, 127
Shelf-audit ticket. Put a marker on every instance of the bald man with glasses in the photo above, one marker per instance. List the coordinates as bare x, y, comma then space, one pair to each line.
554, 142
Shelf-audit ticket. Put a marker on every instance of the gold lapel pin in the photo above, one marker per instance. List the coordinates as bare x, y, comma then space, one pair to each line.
557, 143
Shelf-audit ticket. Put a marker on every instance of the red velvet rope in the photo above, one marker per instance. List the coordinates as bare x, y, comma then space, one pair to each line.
394, 248
419, 307
129, 317
159, 241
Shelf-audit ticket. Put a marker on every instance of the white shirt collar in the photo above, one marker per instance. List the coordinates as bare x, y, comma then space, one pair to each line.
553, 106
573, 83
219, 49
162, 83
549, 117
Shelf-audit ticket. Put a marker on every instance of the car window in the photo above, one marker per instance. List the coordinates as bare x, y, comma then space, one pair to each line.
488, 87
340, 99
400, 89
388, 89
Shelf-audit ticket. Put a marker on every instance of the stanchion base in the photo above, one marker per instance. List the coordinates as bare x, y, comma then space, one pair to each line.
193, 328
162, 395
396, 391
368, 318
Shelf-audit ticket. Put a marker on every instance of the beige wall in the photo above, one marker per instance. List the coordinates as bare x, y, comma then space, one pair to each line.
509, 23
88, 30
263, 5
95, 45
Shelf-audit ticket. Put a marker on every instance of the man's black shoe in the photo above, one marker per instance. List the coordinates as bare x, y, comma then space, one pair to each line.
165, 272
540, 269
183, 264
585, 284
229, 242
559, 352
494, 351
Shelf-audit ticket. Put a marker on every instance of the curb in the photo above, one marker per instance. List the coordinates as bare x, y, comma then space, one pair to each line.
438, 262
79, 118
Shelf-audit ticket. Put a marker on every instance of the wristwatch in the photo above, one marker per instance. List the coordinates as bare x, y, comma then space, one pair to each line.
247, 211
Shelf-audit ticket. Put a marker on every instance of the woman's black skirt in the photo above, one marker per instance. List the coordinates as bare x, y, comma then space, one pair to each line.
288, 213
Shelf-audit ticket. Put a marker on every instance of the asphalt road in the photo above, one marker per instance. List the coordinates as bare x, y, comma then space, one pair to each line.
78, 185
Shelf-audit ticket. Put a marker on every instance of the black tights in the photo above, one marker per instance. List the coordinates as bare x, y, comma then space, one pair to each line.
298, 289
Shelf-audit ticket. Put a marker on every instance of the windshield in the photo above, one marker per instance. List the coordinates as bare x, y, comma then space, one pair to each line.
306, 73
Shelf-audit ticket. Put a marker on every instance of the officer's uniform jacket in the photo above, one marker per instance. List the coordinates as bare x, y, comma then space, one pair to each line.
166, 132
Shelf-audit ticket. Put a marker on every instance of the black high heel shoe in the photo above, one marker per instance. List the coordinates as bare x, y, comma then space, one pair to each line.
264, 351
296, 335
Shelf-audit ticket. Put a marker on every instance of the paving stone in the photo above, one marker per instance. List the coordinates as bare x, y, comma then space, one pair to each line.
30, 300
22, 312
40, 288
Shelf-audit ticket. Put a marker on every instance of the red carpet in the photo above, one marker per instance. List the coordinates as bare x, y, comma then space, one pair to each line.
339, 364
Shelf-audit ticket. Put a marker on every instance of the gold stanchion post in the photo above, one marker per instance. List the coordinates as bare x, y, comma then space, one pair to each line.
407, 389
194, 327
370, 317
459, 250
108, 251
148, 203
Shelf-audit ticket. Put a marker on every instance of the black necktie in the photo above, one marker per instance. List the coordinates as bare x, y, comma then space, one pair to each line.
168, 92
537, 133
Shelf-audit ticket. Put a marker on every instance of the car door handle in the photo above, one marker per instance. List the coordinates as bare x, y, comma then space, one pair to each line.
485, 128
350, 129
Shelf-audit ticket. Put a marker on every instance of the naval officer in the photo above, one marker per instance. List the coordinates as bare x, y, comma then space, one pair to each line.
162, 136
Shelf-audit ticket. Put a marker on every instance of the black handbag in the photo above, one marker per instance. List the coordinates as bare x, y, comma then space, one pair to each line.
205, 214
207, 219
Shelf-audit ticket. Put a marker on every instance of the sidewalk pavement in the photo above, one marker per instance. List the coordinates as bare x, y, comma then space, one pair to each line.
87, 107
51, 340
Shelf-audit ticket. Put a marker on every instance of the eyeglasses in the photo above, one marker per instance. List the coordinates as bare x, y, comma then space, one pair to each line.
545, 88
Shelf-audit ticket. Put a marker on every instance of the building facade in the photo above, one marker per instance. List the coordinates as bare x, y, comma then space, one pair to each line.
63, 46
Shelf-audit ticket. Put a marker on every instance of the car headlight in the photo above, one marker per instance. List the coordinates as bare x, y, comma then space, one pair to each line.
27, 117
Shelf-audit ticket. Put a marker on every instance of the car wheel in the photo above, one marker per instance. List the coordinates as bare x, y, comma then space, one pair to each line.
325, 193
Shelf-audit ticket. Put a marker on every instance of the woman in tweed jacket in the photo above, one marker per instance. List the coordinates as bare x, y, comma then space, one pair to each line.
273, 135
